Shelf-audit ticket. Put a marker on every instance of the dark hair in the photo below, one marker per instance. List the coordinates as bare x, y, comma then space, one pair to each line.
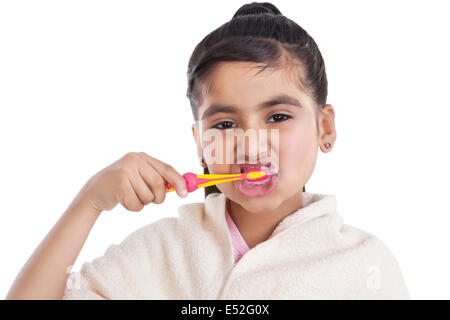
258, 32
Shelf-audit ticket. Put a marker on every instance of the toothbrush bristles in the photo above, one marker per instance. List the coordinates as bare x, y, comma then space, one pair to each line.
256, 174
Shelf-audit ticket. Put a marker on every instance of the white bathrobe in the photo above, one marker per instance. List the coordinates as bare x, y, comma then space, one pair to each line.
310, 255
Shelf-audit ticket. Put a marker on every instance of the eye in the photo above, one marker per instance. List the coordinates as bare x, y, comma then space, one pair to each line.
280, 117
221, 125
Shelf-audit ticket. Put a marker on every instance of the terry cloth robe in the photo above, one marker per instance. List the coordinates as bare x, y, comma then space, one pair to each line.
311, 254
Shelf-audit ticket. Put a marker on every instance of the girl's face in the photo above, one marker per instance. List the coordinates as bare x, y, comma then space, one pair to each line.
236, 86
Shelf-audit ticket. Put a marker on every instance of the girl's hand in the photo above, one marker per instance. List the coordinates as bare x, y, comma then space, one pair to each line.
134, 180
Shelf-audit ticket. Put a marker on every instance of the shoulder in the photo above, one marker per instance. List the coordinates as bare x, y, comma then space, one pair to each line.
361, 239
140, 258
372, 260
168, 228
364, 245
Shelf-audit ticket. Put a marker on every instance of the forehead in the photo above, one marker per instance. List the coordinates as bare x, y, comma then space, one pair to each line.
245, 84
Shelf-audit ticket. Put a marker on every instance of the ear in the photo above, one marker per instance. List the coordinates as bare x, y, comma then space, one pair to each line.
195, 134
327, 128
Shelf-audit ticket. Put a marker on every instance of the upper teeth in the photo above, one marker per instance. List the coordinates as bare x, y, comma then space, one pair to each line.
243, 169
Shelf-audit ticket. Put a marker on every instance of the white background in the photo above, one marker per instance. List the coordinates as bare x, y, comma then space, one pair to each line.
84, 82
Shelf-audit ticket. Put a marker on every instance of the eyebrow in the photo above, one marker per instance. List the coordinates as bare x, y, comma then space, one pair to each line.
276, 100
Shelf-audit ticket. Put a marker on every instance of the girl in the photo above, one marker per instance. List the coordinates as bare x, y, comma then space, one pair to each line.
260, 70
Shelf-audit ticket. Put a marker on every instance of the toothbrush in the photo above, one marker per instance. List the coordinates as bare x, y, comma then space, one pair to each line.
195, 181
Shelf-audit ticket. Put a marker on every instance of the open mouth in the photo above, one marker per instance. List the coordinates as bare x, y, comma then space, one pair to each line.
258, 183
256, 188
241, 168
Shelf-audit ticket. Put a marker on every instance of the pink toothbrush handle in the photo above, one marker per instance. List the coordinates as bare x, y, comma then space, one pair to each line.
191, 182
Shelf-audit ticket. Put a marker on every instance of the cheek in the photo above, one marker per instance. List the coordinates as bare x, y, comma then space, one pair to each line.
218, 168
226, 188
219, 151
298, 149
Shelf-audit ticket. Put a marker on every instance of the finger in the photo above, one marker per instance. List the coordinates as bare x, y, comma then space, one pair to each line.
168, 173
129, 199
140, 187
152, 179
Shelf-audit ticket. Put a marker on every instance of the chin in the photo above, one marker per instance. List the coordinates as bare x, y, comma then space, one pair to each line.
259, 207
258, 204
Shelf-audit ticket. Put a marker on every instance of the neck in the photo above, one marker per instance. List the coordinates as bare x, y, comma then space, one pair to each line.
256, 227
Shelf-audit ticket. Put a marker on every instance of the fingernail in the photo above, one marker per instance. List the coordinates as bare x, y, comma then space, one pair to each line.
183, 193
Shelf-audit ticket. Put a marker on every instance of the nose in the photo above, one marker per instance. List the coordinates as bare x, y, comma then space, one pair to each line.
257, 146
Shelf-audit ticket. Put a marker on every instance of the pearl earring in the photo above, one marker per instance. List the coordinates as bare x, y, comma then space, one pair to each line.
327, 145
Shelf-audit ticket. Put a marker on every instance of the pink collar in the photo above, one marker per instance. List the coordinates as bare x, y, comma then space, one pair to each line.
239, 244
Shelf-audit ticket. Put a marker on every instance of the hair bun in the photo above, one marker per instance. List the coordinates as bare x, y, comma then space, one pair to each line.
257, 8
